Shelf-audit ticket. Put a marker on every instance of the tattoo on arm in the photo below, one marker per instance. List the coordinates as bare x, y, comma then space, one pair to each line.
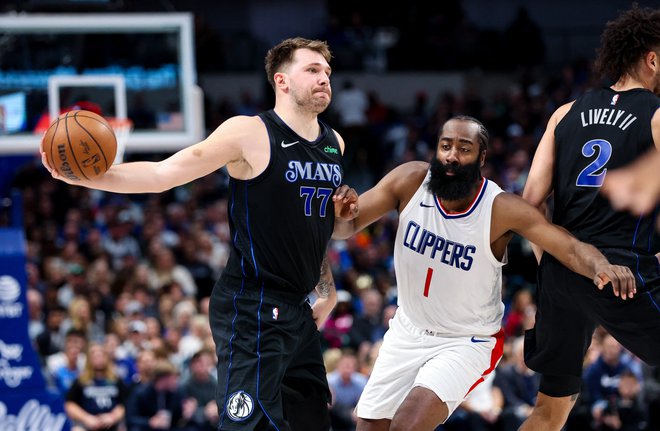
326, 283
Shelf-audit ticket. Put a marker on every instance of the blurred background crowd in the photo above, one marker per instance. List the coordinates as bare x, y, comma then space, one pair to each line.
120, 284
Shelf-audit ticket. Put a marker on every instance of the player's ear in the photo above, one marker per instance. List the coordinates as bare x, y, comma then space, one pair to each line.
280, 80
482, 158
652, 60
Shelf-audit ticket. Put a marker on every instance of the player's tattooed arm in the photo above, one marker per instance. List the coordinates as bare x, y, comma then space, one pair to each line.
326, 292
326, 283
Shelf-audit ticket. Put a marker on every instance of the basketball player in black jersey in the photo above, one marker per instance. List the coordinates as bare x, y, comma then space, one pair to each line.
285, 165
601, 130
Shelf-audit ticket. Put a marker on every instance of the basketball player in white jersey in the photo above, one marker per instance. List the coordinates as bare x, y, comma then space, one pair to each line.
454, 226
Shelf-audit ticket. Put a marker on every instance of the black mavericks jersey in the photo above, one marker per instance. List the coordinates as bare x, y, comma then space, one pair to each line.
603, 130
281, 221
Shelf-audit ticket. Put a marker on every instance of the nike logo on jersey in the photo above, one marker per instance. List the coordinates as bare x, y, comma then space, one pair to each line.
289, 144
478, 340
423, 205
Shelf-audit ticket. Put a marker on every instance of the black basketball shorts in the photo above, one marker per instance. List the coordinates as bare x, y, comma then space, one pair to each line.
271, 374
569, 306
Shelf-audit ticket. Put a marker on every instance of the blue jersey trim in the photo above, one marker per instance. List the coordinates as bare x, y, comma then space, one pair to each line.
247, 224
639, 274
231, 353
263, 409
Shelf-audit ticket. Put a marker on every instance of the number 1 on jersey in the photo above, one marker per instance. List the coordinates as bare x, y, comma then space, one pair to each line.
427, 285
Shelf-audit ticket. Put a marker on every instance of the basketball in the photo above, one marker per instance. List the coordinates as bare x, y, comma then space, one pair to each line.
80, 145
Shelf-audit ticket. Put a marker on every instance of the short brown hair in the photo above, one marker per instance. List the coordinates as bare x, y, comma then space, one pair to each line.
164, 368
282, 54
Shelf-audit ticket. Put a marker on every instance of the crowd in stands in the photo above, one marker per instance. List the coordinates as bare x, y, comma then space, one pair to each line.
119, 285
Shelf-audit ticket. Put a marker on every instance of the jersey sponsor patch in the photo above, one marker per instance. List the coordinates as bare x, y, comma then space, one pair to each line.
240, 406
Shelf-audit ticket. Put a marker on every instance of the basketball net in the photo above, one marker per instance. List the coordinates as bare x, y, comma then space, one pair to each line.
122, 128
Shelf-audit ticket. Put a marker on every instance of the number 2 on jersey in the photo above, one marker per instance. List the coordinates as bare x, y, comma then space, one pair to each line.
588, 176
322, 193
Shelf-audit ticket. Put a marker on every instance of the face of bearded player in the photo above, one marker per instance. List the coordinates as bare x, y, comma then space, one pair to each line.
456, 169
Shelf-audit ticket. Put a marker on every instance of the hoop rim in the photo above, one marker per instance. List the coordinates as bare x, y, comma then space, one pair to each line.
120, 124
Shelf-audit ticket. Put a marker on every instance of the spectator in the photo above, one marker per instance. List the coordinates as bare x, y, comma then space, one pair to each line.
65, 366
602, 377
624, 412
145, 364
35, 304
481, 409
199, 389
366, 326
51, 340
346, 386
119, 243
519, 386
522, 306
166, 270
82, 319
96, 398
335, 330
158, 405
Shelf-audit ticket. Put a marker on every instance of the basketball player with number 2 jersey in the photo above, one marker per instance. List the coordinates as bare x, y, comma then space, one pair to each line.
454, 226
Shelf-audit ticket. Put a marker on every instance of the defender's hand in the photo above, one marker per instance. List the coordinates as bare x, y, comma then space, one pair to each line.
621, 277
346, 205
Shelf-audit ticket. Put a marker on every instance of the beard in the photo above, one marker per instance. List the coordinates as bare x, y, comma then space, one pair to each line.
453, 187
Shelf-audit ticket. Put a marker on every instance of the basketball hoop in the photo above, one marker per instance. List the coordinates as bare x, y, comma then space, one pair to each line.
122, 128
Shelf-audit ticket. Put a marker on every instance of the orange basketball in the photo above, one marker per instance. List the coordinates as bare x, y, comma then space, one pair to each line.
80, 145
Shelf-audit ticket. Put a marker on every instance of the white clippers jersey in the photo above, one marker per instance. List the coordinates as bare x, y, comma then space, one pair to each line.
448, 279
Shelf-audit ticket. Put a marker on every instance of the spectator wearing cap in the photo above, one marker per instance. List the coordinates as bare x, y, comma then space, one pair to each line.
136, 339
158, 405
119, 243
76, 284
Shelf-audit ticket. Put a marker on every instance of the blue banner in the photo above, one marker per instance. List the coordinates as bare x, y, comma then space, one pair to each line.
25, 403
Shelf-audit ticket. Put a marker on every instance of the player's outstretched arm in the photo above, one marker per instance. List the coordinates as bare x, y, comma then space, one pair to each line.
222, 147
327, 294
510, 212
391, 192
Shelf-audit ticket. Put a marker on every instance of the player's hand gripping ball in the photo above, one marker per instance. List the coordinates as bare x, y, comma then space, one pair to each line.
80, 145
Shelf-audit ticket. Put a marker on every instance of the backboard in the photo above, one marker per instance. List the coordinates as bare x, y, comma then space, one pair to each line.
139, 66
